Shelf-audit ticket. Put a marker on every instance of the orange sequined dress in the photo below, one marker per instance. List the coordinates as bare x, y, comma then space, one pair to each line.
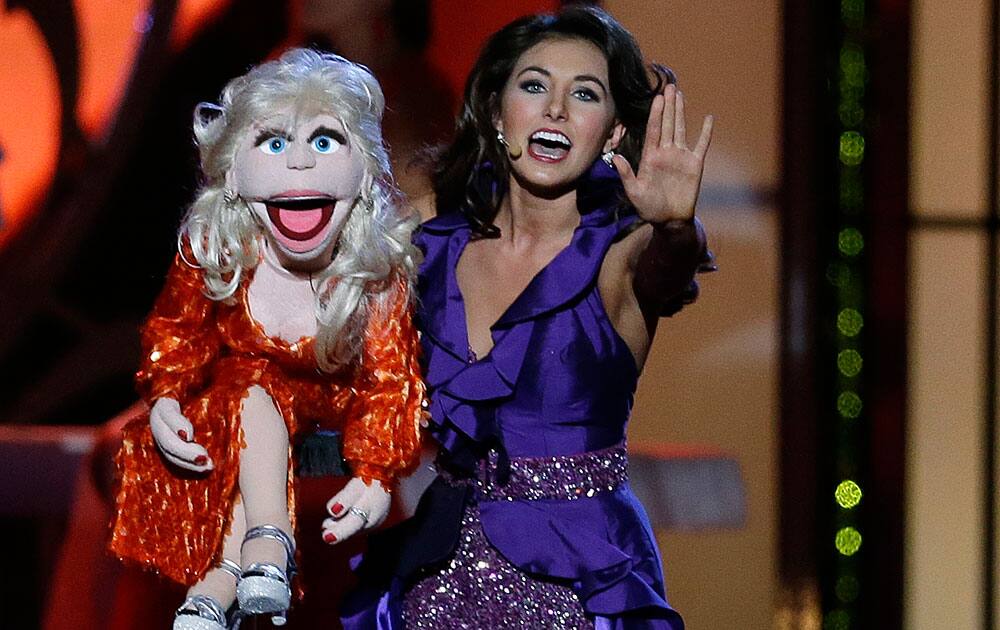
206, 354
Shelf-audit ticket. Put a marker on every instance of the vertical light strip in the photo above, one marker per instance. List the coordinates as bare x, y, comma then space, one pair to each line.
848, 276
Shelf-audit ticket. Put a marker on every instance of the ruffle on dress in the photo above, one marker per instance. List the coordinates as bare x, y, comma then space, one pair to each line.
466, 393
600, 544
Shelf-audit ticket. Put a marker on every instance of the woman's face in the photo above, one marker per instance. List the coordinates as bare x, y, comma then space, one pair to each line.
301, 180
558, 109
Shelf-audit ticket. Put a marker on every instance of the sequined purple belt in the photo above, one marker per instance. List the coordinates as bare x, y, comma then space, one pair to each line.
565, 477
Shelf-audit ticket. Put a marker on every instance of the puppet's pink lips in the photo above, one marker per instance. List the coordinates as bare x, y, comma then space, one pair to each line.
300, 217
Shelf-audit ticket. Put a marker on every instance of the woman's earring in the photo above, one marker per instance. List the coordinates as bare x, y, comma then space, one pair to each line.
513, 151
229, 196
609, 158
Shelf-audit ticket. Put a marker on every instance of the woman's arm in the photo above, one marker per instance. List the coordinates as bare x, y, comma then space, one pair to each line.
664, 193
651, 271
664, 268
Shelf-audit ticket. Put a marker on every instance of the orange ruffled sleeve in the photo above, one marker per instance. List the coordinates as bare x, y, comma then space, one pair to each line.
179, 338
382, 434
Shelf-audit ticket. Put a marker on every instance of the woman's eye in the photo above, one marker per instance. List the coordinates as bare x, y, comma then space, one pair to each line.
585, 94
534, 87
324, 144
273, 145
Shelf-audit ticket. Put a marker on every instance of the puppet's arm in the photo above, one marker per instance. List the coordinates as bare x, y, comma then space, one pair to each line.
179, 343
178, 339
382, 437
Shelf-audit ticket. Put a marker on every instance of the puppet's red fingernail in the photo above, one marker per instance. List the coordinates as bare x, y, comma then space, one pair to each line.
183, 434
336, 508
329, 537
201, 460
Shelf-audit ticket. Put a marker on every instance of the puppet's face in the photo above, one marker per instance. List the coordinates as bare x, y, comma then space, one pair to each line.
301, 180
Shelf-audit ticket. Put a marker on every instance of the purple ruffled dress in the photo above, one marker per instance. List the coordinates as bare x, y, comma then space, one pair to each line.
531, 522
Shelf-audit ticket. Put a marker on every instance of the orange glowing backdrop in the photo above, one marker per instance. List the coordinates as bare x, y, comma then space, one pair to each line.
29, 119
110, 34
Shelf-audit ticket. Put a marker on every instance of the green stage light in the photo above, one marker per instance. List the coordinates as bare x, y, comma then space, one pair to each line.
848, 494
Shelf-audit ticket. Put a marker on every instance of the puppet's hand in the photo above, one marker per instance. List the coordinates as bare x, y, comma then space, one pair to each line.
358, 506
174, 436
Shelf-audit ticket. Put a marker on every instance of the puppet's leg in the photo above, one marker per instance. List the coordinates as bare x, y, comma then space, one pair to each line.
268, 546
208, 600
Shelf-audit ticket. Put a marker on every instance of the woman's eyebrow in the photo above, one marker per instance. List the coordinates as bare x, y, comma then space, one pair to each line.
535, 69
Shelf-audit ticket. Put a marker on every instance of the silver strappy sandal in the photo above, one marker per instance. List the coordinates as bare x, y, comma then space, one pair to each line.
203, 612
263, 587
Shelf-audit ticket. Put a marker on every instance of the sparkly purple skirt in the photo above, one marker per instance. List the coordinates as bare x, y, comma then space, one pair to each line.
551, 542
478, 587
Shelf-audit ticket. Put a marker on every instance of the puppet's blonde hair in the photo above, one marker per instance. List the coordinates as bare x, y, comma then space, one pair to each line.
374, 245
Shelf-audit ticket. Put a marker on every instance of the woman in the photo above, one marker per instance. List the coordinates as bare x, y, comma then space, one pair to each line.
287, 307
566, 228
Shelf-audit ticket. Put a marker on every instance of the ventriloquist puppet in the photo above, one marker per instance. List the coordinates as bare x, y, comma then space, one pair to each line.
286, 311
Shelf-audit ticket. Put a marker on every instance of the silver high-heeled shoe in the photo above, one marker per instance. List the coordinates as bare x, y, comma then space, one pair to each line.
203, 612
263, 587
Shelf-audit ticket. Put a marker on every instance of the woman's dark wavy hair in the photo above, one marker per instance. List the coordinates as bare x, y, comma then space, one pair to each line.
462, 181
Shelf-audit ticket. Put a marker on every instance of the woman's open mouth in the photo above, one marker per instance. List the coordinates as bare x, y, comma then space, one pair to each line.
300, 221
549, 145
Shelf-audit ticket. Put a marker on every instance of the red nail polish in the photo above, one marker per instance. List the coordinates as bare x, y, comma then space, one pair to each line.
336, 508
201, 460
329, 537
183, 434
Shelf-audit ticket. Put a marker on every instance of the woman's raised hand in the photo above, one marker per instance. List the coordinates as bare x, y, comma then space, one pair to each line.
669, 178
174, 436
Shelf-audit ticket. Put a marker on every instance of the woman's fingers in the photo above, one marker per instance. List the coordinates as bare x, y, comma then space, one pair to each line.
705, 139
654, 122
624, 171
680, 125
667, 119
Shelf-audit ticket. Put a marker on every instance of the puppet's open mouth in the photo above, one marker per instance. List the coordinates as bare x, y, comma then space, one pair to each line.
300, 218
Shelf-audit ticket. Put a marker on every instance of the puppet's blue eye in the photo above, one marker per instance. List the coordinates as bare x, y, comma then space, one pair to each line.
273, 145
324, 144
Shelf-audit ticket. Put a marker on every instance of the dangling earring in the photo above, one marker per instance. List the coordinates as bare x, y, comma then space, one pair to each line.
609, 158
513, 151
229, 196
